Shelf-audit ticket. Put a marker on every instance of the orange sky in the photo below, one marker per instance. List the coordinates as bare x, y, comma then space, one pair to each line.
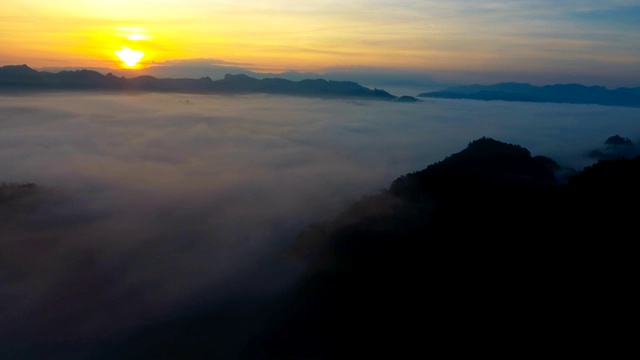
312, 35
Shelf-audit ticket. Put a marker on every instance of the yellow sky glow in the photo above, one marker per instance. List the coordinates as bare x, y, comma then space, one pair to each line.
265, 34
309, 35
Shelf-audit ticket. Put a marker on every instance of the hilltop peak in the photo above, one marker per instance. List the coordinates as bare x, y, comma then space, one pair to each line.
17, 70
236, 76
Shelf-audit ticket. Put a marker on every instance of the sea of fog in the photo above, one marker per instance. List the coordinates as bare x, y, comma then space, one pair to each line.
154, 202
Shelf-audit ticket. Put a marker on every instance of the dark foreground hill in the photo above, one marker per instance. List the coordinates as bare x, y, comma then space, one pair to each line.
560, 93
487, 252
23, 78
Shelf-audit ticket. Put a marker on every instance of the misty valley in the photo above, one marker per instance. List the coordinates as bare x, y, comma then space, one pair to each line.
186, 226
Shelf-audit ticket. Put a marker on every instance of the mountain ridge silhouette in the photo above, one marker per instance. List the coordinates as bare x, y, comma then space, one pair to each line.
24, 78
557, 93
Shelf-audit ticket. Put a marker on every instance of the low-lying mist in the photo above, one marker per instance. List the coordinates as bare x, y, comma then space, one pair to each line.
149, 203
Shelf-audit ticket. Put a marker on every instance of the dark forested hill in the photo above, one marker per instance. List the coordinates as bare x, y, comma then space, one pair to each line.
485, 252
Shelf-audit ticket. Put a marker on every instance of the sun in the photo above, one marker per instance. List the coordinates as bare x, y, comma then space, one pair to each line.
129, 57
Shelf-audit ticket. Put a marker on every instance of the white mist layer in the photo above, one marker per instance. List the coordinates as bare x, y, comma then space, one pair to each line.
169, 196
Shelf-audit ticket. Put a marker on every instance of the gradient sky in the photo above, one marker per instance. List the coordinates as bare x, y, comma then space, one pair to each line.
594, 39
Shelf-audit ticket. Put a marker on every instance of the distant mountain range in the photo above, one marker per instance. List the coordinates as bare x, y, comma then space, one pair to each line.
368, 77
560, 93
24, 78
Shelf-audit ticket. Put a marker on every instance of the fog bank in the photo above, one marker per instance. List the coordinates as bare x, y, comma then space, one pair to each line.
151, 202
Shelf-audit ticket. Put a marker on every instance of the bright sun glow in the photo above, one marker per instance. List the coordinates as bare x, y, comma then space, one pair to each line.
129, 57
